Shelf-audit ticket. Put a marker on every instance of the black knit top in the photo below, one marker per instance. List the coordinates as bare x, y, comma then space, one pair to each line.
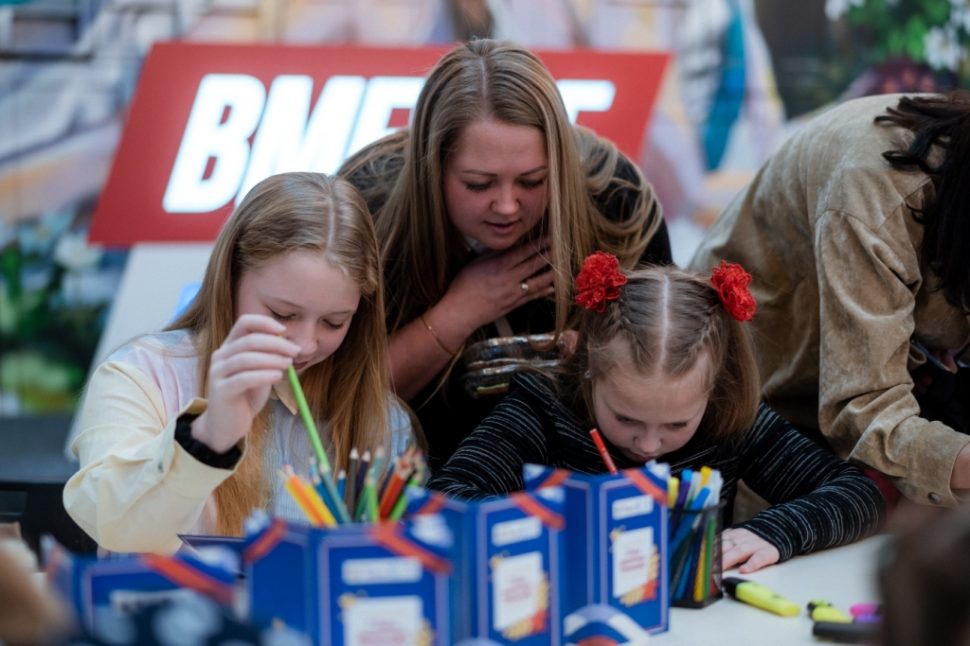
818, 500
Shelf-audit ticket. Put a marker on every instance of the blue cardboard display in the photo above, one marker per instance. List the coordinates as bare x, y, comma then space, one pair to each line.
101, 590
508, 565
615, 541
353, 584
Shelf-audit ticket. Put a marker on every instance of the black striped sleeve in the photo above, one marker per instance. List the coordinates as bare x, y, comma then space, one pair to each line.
490, 460
818, 500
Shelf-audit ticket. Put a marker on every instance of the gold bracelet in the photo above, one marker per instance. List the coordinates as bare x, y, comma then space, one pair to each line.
436, 338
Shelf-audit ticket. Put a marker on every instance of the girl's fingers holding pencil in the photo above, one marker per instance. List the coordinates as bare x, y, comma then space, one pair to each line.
241, 372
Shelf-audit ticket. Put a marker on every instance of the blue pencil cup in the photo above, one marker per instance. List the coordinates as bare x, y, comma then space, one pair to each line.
695, 557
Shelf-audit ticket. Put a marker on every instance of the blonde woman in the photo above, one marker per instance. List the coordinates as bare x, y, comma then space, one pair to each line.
183, 431
484, 209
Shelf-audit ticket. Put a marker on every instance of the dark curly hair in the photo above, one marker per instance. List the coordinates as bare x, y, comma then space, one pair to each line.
940, 122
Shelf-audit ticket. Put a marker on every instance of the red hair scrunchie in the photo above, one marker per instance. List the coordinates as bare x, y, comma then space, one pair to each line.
599, 281
731, 281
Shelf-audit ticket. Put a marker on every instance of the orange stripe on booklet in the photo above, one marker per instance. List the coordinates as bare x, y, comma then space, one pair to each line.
615, 540
508, 568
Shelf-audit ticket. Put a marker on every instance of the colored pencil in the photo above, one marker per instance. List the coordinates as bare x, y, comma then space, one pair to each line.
323, 463
395, 484
350, 493
601, 447
362, 468
416, 480
308, 422
363, 501
342, 484
306, 499
327, 490
377, 465
400, 505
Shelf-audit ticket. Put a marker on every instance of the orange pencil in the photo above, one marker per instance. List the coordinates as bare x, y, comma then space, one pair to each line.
395, 484
291, 482
308, 499
601, 447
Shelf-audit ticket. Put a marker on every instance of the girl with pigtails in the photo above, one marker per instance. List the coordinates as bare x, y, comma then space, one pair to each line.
663, 367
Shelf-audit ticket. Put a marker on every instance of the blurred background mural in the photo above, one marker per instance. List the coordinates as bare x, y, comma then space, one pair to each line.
744, 73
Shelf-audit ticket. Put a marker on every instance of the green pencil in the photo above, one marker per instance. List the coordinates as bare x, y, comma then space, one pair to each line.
326, 472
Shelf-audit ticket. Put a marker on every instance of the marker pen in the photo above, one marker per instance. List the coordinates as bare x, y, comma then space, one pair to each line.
759, 596
820, 610
866, 612
854, 633
858, 609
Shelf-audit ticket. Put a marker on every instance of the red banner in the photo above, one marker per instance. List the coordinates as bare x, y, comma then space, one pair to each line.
209, 121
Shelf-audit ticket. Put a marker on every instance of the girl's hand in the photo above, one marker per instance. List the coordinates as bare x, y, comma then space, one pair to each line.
492, 286
744, 547
241, 372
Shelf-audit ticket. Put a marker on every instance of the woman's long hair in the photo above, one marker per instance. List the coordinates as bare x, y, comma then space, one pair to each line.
940, 122
350, 389
421, 250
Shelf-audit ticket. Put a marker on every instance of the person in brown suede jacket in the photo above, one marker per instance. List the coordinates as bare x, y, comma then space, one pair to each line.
857, 233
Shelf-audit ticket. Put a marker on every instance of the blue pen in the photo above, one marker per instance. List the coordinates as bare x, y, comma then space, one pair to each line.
681, 589
678, 508
685, 528
680, 561
698, 503
686, 476
695, 486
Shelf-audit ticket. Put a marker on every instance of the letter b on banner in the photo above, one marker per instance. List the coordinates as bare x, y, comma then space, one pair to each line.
213, 134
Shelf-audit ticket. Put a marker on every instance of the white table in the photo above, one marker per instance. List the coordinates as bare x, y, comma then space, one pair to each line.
842, 576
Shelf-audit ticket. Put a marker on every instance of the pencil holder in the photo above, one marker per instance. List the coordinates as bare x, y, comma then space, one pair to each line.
695, 556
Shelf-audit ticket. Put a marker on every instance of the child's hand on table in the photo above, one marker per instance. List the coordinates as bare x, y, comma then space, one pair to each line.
744, 548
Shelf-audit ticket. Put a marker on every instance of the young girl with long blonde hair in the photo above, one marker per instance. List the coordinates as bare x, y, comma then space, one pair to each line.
184, 431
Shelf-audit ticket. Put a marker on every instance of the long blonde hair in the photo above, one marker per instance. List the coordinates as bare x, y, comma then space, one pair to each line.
667, 318
350, 389
421, 249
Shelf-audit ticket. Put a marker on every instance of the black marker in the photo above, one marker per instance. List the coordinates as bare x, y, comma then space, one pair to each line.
854, 633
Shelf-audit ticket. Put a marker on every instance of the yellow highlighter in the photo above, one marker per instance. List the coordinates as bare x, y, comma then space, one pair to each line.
820, 610
673, 486
759, 596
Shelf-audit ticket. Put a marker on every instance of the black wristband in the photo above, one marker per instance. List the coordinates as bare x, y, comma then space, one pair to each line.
200, 451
